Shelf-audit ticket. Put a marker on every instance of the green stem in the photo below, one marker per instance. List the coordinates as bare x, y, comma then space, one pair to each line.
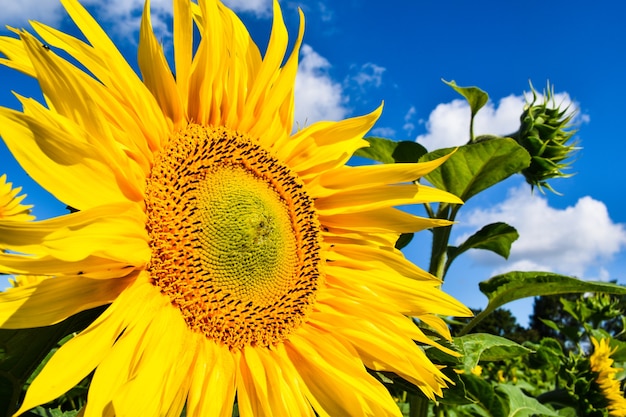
418, 406
473, 322
441, 239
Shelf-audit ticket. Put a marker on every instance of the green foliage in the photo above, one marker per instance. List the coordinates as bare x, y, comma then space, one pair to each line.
520, 404
23, 352
501, 322
390, 151
50, 412
483, 347
544, 375
512, 286
495, 237
476, 98
475, 167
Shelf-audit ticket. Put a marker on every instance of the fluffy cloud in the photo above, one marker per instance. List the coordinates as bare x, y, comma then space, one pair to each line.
260, 8
124, 16
409, 126
18, 13
384, 132
573, 240
318, 97
448, 123
369, 75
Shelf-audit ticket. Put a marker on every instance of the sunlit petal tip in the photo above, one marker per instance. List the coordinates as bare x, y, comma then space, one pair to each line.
11, 207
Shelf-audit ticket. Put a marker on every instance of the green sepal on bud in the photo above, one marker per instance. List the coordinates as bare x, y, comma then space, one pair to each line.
545, 132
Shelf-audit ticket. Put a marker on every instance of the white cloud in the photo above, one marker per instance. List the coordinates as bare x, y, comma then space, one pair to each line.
318, 97
572, 241
369, 75
260, 8
384, 132
448, 124
409, 126
18, 13
124, 16
326, 14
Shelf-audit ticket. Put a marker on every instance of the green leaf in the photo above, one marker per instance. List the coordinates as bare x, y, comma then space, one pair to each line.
521, 405
484, 396
496, 237
21, 352
390, 151
512, 286
50, 412
477, 166
476, 97
485, 347
550, 324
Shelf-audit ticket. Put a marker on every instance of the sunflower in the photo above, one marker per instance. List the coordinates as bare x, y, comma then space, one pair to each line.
10, 203
242, 263
602, 365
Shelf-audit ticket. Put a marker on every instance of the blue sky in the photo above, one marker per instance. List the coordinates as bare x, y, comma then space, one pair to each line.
359, 53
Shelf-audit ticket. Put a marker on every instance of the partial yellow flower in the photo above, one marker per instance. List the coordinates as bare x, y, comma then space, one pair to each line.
500, 376
10, 203
477, 370
242, 263
24, 280
602, 365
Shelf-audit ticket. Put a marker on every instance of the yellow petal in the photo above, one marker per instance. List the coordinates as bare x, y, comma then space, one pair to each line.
90, 267
263, 388
382, 220
412, 296
159, 367
385, 348
71, 169
342, 390
73, 237
183, 45
271, 117
325, 145
11, 208
16, 56
380, 197
128, 128
208, 69
119, 76
157, 74
346, 178
136, 307
251, 385
212, 391
70, 364
55, 299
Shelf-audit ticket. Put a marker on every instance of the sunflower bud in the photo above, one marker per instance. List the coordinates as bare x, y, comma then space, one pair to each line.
545, 132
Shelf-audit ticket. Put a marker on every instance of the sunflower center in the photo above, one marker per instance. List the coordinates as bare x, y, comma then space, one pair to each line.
234, 237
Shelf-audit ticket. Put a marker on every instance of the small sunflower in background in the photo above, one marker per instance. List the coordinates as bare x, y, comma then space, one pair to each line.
602, 366
11, 207
243, 263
